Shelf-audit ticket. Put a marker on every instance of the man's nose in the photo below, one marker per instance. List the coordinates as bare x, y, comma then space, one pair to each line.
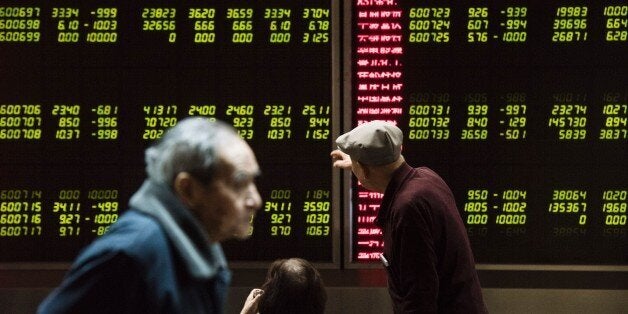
254, 200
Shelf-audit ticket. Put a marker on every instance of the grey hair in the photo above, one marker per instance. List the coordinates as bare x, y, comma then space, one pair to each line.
190, 146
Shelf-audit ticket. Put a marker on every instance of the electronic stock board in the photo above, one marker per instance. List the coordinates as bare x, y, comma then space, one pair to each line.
86, 86
521, 106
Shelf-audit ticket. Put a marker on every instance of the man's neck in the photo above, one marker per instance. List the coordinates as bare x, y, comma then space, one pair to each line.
382, 175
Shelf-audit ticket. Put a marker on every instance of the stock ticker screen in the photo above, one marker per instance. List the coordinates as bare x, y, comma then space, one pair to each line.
86, 86
521, 106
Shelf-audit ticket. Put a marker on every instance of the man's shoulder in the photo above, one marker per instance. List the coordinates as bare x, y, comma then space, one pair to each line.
426, 179
424, 189
134, 234
133, 227
427, 173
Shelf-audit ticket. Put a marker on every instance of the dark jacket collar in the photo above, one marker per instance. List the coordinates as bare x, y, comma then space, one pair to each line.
202, 258
396, 181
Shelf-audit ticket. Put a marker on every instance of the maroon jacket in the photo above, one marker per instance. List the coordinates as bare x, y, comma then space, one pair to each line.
431, 267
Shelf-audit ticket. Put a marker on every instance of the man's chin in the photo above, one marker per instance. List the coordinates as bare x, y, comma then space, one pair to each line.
242, 235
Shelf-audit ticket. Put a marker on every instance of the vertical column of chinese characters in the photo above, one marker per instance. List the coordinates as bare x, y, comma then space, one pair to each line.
378, 88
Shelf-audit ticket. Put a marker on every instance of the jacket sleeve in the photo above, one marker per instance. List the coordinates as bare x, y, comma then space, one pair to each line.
109, 283
417, 265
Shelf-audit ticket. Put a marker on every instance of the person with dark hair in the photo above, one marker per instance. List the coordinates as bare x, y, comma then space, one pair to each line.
427, 254
292, 286
163, 255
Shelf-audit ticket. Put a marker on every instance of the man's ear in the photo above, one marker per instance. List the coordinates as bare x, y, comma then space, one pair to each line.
184, 186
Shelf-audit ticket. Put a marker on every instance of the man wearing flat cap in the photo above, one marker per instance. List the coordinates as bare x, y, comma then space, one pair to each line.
428, 257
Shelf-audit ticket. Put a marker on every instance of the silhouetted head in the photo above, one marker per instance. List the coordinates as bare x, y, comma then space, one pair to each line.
293, 286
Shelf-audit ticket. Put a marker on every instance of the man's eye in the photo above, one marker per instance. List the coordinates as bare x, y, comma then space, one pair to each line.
241, 184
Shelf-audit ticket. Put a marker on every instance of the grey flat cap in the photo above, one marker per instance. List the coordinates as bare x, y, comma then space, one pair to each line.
373, 143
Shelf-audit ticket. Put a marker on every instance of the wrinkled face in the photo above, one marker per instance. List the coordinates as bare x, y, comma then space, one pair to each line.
226, 204
358, 171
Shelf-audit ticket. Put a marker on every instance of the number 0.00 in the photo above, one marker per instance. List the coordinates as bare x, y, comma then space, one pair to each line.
615, 220
242, 37
204, 37
477, 219
68, 37
280, 37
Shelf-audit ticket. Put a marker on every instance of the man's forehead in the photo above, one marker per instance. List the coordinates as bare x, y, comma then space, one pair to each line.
243, 175
240, 160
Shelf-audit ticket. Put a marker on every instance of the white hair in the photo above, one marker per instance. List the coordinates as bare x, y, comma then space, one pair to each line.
190, 146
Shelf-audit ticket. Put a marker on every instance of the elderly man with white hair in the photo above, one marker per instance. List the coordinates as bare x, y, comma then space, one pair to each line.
163, 255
